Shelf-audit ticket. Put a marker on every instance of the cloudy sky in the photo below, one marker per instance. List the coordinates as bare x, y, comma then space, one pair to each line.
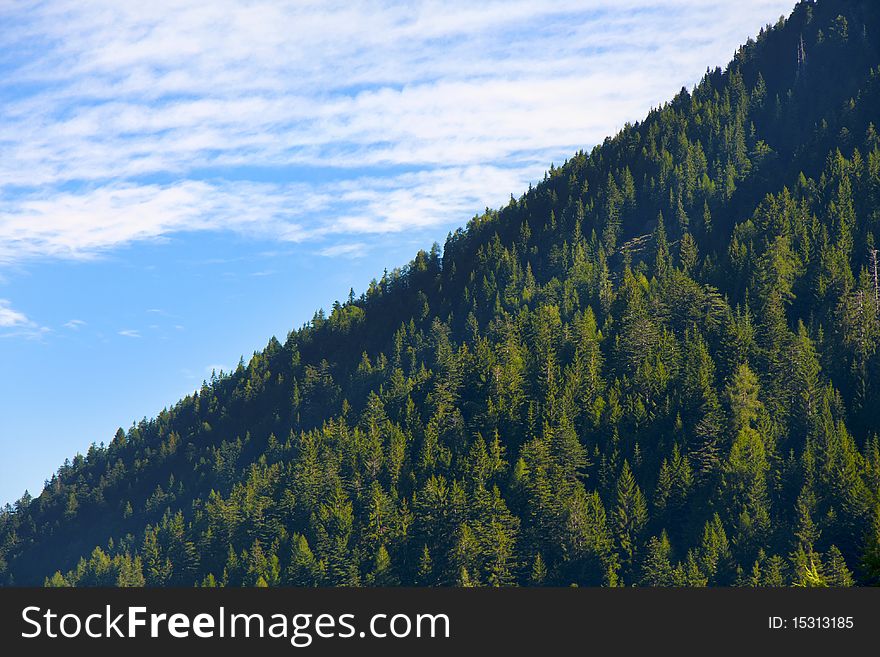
180, 180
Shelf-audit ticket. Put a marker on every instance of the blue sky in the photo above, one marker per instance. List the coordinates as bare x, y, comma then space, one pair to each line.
181, 180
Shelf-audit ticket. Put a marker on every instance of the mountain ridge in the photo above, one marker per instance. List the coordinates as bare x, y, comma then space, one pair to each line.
658, 366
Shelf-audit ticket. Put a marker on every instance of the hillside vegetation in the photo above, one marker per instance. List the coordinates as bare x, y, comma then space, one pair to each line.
659, 366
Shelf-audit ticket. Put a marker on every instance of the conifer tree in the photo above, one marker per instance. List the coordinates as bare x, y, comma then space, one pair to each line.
630, 516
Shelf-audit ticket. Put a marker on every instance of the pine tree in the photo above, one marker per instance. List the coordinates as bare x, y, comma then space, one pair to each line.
630, 516
657, 569
382, 574
836, 571
688, 254
662, 262
538, 574
871, 553
743, 397
426, 567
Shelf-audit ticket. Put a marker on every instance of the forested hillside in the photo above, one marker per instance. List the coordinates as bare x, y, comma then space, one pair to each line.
659, 366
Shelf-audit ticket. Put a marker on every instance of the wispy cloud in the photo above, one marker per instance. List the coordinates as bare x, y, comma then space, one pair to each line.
74, 324
130, 333
14, 323
352, 250
10, 317
126, 121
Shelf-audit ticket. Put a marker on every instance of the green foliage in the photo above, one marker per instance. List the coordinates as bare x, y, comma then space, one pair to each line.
658, 366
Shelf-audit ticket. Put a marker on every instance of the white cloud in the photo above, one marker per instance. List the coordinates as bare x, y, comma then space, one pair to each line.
74, 324
81, 224
14, 323
130, 333
10, 317
351, 250
77, 224
120, 120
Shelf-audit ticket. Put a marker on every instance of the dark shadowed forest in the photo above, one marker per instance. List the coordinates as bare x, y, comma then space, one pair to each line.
659, 366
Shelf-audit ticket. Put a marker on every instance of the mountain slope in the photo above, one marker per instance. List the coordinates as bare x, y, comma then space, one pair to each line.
659, 366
